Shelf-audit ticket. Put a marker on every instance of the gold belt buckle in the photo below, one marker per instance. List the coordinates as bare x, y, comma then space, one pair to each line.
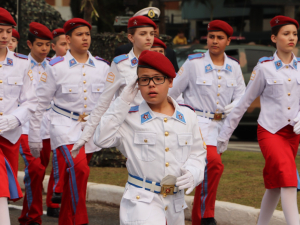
218, 116
167, 190
81, 117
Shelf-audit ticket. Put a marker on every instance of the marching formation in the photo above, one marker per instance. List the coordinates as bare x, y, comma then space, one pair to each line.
171, 124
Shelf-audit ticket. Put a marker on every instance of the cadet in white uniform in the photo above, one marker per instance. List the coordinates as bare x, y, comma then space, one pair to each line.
212, 83
276, 80
162, 144
74, 83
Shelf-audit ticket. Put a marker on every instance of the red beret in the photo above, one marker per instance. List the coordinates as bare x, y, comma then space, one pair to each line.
58, 32
220, 25
40, 31
157, 61
140, 21
74, 23
6, 18
16, 34
283, 20
158, 43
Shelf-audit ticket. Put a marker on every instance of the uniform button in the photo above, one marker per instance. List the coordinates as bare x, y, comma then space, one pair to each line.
85, 98
98, 89
84, 90
15, 82
287, 67
218, 94
83, 66
289, 108
219, 85
167, 149
204, 82
1, 99
289, 120
83, 74
39, 72
166, 208
186, 142
1, 113
289, 94
145, 140
137, 197
219, 72
0, 81
84, 106
275, 81
166, 133
289, 79
167, 164
217, 102
217, 110
164, 195
84, 81
0, 66
165, 120
219, 77
70, 90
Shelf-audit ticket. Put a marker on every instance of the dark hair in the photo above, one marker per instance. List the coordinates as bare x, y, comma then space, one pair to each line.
275, 30
55, 39
31, 38
132, 32
69, 33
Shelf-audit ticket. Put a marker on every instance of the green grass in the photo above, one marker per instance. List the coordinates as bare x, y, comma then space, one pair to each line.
242, 181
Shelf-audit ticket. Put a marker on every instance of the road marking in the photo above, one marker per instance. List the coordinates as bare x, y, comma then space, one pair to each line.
20, 208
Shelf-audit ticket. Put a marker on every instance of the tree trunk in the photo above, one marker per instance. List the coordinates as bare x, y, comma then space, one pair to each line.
87, 11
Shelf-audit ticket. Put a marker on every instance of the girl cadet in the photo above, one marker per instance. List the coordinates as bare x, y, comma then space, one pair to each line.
212, 83
123, 67
16, 87
162, 144
276, 80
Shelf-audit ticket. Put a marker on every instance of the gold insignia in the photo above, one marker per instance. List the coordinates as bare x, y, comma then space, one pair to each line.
44, 77
110, 77
81, 117
151, 13
180, 71
30, 74
253, 75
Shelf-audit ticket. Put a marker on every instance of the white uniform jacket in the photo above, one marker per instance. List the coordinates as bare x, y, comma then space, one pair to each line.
74, 87
154, 147
16, 88
278, 86
37, 70
209, 89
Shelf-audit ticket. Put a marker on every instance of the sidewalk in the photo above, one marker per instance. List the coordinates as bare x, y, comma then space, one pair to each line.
226, 213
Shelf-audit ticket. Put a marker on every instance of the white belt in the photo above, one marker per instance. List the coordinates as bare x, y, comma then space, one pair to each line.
49, 107
67, 113
152, 186
211, 115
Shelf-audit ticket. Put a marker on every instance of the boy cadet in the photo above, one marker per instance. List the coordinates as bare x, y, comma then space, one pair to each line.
210, 82
39, 38
59, 43
158, 46
162, 144
74, 83
15, 38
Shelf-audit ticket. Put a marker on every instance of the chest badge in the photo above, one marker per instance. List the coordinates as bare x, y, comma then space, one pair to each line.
145, 117
229, 68
180, 116
278, 64
9, 61
208, 68
134, 62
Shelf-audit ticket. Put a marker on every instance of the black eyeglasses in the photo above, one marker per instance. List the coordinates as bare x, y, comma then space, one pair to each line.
144, 81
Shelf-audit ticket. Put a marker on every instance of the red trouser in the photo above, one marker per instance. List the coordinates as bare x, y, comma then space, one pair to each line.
206, 192
73, 209
9, 157
34, 176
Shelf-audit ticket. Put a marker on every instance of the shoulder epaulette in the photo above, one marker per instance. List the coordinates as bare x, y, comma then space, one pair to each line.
234, 59
134, 109
196, 56
56, 60
120, 58
21, 56
298, 59
48, 58
266, 59
187, 106
103, 60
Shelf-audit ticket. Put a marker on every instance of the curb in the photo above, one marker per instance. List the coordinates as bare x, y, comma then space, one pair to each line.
226, 213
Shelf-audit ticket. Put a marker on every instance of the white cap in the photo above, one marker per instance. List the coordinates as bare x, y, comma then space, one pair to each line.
151, 12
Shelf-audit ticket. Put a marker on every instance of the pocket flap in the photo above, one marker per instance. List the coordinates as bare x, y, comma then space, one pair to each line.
15, 80
231, 83
145, 138
272, 81
203, 81
70, 88
179, 204
185, 139
97, 87
139, 195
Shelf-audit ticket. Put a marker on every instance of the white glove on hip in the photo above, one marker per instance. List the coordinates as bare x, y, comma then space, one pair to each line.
76, 147
221, 145
186, 181
35, 148
297, 125
229, 108
83, 123
8, 122
129, 92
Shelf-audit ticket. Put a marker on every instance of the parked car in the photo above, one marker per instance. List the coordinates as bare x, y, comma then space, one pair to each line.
248, 55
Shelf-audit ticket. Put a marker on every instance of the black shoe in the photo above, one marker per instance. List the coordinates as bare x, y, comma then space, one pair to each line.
53, 212
56, 198
208, 221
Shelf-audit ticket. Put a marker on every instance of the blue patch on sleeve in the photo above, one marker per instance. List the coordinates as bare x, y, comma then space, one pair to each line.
265, 59
120, 58
134, 108
21, 56
56, 60
103, 60
196, 56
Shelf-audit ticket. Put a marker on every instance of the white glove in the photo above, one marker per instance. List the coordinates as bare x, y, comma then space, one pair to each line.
76, 147
35, 148
8, 122
221, 145
129, 92
228, 108
186, 181
297, 125
83, 123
